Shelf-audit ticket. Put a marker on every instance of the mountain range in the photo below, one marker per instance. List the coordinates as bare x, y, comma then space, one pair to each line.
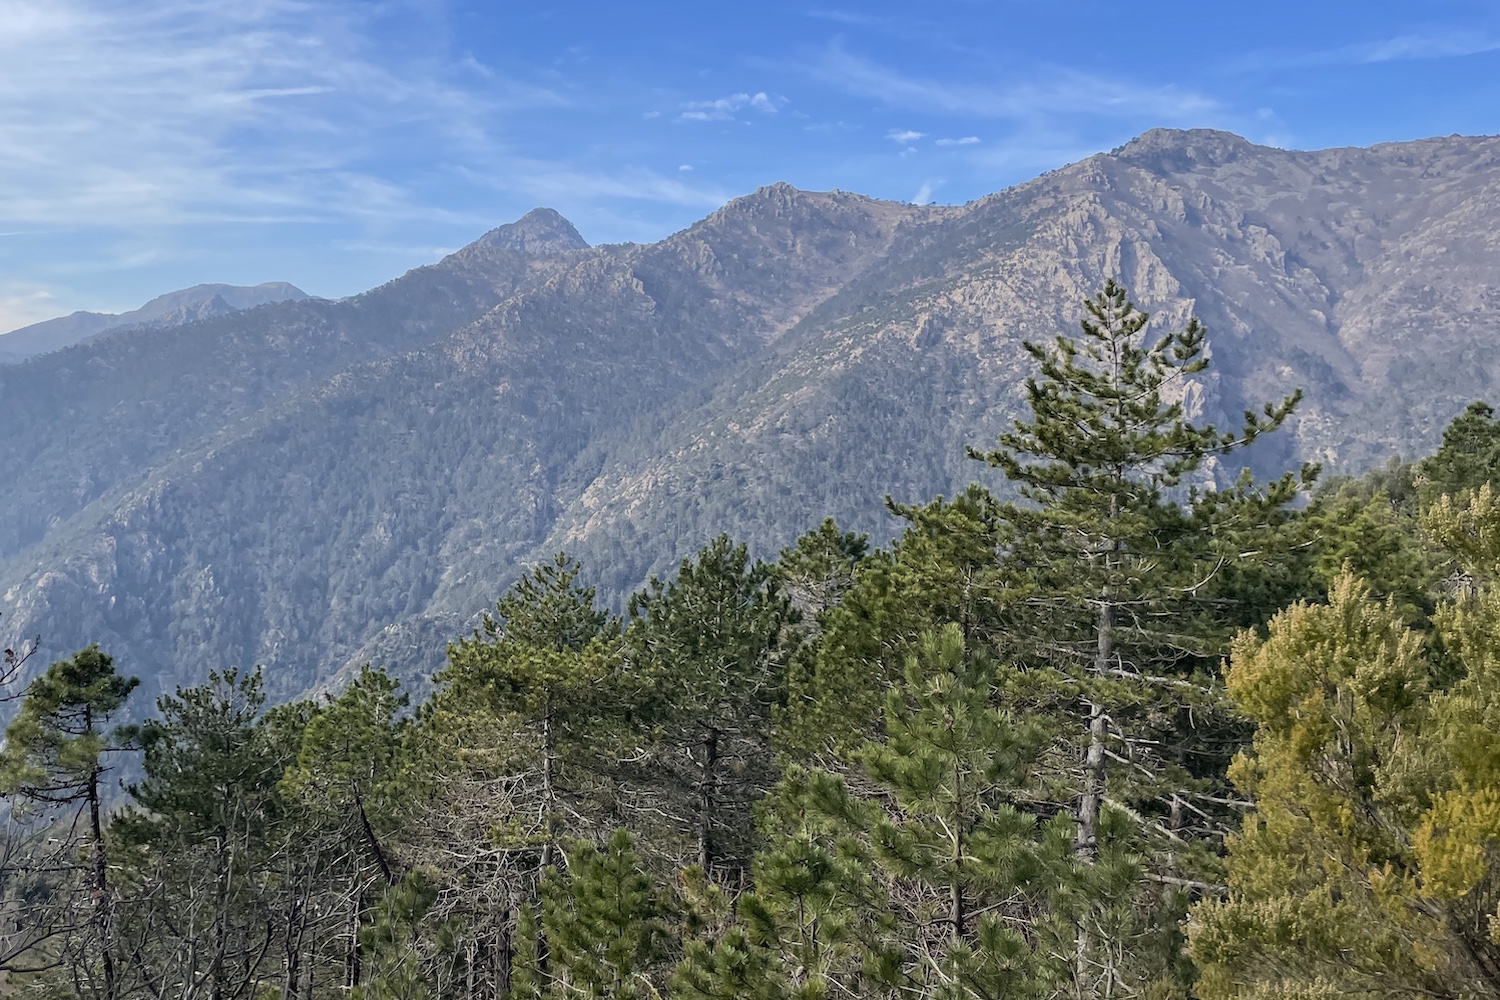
171, 309
314, 484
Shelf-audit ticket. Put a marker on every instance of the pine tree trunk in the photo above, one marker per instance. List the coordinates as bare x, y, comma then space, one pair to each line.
957, 915
706, 802
1087, 837
314, 956
549, 797
505, 955
1098, 729
351, 953
291, 968
101, 917
549, 807
221, 916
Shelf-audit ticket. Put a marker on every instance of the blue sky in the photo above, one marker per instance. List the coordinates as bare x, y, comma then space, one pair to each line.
146, 146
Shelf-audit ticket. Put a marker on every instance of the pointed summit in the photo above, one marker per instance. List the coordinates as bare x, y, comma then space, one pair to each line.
540, 231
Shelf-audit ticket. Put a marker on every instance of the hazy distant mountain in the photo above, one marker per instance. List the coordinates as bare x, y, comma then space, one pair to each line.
313, 484
171, 309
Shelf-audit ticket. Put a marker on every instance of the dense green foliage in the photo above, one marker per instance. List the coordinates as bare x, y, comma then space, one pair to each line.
1123, 735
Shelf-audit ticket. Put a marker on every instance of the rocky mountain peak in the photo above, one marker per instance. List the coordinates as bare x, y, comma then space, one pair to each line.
782, 205
1172, 150
540, 231
774, 199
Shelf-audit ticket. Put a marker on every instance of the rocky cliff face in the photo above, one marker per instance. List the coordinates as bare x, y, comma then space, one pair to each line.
315, 484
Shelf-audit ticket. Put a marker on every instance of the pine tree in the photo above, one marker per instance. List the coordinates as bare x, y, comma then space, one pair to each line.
350, 791
707, 648
944, 568
1468, 458
528, 980
954, 765
731, 968
400, 946
818, 571
537, 689
817, 910
1119, 546
203, 838
1383, 545
543, 657
350, 769
603, 923
953, 841
53, 763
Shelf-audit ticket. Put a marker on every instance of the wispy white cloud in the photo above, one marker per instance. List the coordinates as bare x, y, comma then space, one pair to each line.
1453, 44
1446, 46
725, 109
939, 33
183, 111
568, 189
1058, 91
419, 251
830, 127
968, 140
904, 136
851, 18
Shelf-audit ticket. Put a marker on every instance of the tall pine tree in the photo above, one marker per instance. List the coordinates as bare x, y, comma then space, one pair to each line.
1118, 541
707, 649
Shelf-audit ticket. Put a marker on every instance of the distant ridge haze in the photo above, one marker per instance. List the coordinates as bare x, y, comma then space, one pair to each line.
171, 309
313, 484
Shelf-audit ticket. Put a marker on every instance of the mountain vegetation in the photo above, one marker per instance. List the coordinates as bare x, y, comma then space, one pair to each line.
314, 485
1110, 729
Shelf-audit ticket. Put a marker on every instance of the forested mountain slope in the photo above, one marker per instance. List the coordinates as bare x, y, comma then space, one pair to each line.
313, 483
103, 413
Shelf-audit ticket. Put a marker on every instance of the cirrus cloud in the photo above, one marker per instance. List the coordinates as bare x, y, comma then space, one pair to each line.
904, 136
725, 109
181, 111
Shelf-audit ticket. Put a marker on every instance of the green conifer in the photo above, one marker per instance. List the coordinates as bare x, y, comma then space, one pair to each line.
603, 922
1120, 536
1468, 457
707, 648
52, 764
